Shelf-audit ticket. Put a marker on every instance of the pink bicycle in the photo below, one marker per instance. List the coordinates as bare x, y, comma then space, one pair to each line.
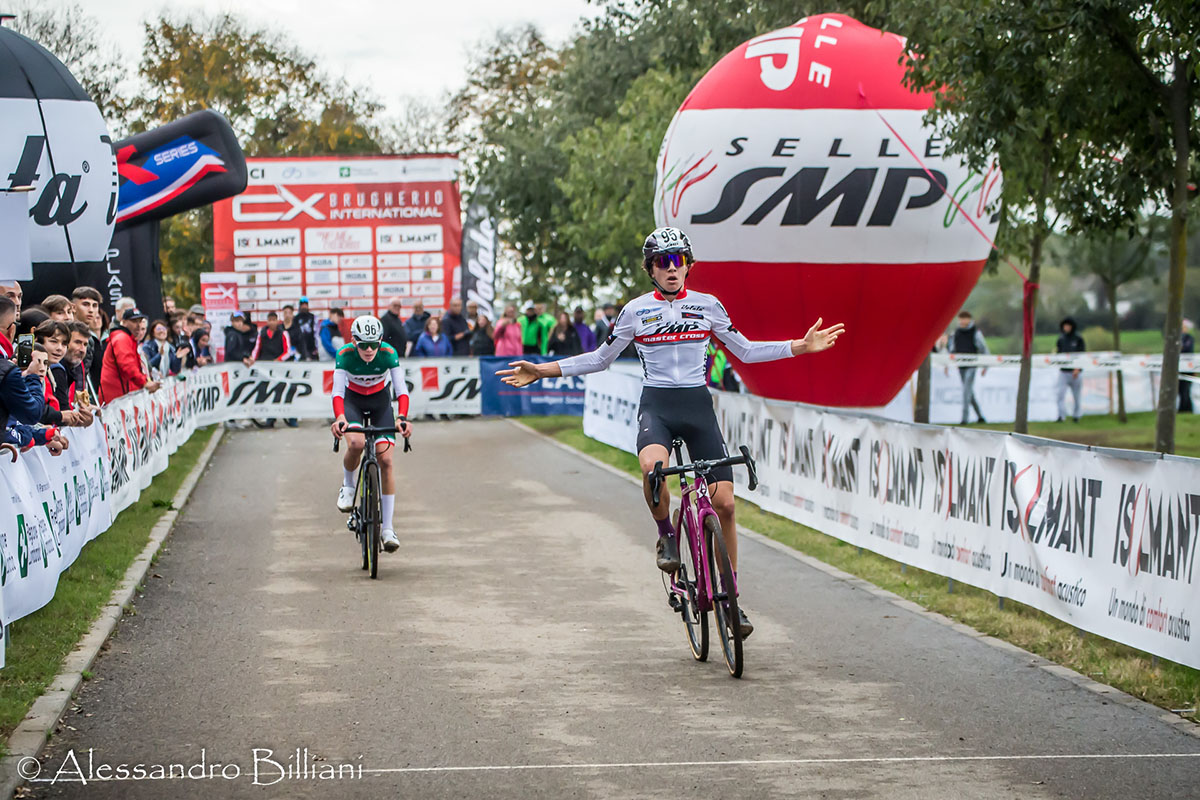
705, 581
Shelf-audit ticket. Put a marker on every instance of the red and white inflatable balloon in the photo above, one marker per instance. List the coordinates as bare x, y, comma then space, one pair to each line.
802, 171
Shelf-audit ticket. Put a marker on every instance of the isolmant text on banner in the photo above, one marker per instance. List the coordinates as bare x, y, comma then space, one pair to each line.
1104, 542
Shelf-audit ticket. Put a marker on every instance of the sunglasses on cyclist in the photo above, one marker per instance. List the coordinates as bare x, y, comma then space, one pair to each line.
367, 345
665, 260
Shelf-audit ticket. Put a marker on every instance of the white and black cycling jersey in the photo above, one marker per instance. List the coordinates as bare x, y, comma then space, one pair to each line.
671, 339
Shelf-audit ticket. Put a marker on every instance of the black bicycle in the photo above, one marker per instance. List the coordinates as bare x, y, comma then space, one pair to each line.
366, 519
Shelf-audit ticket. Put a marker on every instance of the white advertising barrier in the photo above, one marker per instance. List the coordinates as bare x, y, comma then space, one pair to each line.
51, 506
610, 407
303, 389
1106, 360
1104, 540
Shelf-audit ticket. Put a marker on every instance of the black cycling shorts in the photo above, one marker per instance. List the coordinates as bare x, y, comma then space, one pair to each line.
370, 411
688, 414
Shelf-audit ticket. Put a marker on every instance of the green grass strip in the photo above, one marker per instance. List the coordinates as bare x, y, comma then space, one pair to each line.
40, 641
1164, 683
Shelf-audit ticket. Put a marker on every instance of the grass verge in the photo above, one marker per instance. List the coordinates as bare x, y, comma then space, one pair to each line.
1164, 683
40, 641
1104, 430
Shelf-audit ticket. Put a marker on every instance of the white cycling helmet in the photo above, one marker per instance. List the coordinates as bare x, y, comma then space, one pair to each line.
366, 329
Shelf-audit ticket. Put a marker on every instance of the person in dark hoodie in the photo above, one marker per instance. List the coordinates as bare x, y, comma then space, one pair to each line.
1069, 378
414, 326
22, 392
394, 327
966, 338
457, 328
240, 338
1187, 347
305, 340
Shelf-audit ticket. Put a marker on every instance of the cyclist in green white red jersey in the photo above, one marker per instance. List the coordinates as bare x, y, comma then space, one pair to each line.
363, 372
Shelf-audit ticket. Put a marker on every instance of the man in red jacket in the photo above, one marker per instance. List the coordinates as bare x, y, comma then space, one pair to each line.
122, 370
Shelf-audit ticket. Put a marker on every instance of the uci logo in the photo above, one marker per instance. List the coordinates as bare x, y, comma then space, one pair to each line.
295, 206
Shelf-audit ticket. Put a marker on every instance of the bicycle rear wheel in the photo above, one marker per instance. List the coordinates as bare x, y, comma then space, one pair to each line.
372, 517
695, 621
725, 606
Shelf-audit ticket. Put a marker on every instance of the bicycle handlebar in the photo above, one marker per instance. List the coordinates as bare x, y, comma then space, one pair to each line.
371, 433
702, 468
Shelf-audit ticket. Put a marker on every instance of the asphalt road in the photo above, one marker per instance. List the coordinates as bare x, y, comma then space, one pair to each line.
519, 646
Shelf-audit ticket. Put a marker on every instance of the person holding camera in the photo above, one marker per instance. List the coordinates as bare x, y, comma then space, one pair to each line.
54, 337
22, 392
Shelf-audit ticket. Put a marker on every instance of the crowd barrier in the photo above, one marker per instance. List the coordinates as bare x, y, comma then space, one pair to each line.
1102, 539
52, 506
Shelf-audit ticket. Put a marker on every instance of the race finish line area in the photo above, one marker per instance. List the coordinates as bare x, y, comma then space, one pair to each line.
519, 644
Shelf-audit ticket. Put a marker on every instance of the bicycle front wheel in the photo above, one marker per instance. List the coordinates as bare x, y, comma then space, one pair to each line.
687, 578
725, 605
372, 517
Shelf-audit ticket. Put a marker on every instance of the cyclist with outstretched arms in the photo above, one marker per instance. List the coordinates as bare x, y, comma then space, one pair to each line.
362, 373
670, 328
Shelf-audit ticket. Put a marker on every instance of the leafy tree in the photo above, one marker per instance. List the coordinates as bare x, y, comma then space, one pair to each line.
73, 36
420, 126
276, 98
1009, 86
611, 177
1144, 56
1115, 259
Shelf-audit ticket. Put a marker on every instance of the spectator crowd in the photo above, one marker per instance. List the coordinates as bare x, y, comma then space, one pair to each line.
64, 357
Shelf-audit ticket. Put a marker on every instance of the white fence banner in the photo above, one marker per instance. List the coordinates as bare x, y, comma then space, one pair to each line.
1104, 540
1105, 360
52, 506
610, 407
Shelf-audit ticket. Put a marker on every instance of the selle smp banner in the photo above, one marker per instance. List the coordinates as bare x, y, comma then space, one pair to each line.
1103, 540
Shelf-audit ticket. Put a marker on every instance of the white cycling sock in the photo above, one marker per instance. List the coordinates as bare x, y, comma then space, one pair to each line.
388, 506
348, 478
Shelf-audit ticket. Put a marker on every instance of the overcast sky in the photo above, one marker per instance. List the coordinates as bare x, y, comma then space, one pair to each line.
396, 48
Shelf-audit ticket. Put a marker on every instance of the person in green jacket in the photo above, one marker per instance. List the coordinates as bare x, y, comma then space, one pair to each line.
548, 322
716, 365
534, 336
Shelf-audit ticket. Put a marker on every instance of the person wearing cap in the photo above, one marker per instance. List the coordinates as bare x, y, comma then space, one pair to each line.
122, 370
240, 338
